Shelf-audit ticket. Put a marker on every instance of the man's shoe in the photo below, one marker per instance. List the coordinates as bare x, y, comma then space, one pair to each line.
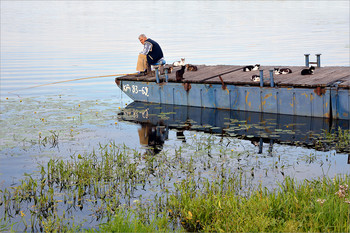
150, 74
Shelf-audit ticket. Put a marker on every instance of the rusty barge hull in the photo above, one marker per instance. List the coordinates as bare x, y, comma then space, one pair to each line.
325, 94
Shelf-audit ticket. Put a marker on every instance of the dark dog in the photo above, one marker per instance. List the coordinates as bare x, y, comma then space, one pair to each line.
180, 74
170, 69
309, 71
191, 67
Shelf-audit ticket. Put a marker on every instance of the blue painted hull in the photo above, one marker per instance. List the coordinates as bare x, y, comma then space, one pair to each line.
328, 103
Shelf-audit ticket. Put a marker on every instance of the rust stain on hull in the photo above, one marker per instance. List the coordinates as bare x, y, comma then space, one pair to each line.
187, 86
320, 91
246, 99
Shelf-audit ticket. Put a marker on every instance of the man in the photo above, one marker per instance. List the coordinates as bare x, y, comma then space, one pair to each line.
151, 54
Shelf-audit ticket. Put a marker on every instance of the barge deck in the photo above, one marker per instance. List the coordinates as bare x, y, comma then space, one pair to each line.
323, 76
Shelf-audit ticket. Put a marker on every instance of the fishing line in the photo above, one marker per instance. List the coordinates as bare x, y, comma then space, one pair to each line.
70, 80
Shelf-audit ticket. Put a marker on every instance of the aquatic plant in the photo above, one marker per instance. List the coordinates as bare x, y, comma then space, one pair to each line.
52, 139
338, 140
52, 118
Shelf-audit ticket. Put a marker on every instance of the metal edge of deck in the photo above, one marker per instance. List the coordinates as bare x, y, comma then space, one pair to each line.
328, 102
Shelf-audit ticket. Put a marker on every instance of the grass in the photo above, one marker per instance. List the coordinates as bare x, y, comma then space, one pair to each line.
124, 222
321, 205
124, 190
313, 206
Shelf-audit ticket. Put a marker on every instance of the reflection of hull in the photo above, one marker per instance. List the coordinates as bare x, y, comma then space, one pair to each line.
250, 125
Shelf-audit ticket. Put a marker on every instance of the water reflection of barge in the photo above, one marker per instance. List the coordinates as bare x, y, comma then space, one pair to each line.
157, 119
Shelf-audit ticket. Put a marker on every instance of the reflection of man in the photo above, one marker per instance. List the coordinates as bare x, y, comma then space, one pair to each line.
143, 134
150, 55
153, 137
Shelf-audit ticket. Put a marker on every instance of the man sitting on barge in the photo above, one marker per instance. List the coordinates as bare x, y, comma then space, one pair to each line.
150, 55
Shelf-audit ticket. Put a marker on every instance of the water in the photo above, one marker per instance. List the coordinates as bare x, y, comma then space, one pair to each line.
45, 42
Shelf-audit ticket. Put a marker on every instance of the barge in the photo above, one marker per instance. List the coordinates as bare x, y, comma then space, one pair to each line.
324, 94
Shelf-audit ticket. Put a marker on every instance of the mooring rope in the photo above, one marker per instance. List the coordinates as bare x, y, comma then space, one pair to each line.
70, 80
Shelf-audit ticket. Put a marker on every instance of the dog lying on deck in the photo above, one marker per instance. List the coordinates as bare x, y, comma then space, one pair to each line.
309, 71
250, 68
282, 71
191, 67
255, 78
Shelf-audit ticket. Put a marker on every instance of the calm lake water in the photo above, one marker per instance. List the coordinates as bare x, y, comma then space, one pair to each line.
43, 42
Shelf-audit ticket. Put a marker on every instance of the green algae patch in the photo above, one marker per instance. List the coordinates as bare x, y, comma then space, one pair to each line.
27, 122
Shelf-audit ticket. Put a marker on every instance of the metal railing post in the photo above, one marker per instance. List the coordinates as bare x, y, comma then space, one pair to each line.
157, 75
166, 74
318, 57
307, 59
272, 82
261, 78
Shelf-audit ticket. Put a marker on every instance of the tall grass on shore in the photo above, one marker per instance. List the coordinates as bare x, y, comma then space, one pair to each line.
123, 221
320, 205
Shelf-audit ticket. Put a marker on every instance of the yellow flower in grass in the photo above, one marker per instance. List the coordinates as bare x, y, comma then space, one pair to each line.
189, 215
22, 214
